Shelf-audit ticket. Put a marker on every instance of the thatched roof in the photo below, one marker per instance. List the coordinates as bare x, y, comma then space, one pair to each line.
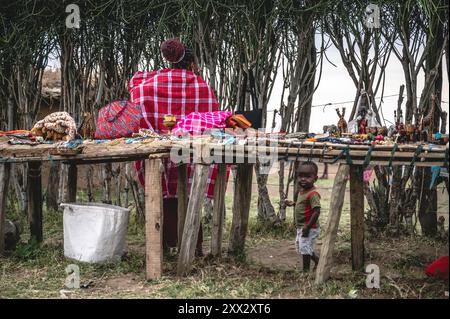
51, 83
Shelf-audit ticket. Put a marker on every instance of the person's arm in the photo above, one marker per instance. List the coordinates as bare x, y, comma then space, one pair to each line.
289, 203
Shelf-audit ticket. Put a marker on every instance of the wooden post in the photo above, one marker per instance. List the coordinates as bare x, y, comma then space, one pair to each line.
182, 201
153, 219
192, 222
4, 184
331, 228
357, 216
72, 183
241, 208
218, 212
34, 195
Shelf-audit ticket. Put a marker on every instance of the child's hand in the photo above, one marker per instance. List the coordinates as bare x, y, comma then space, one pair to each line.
289, 203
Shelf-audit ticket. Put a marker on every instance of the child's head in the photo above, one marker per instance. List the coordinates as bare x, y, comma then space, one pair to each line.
307, 174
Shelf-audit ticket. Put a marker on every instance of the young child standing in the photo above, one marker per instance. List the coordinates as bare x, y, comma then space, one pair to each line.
306, 213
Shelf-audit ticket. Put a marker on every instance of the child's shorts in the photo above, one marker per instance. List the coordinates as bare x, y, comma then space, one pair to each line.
306, 245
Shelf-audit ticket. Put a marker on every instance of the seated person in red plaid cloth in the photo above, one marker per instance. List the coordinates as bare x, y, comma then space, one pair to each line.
178, 91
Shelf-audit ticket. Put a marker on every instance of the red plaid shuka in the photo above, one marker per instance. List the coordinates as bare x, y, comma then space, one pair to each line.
177, 92
170, 91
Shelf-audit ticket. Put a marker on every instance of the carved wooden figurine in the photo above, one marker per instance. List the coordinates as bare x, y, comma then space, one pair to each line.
87, 127
428, 120
342, 123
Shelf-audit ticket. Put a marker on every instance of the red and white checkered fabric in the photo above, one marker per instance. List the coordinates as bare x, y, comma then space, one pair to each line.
177, 92
170, 91
197, 122
169, 183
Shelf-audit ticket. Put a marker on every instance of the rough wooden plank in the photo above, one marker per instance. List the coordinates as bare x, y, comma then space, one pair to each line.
328, 154
72, 183
331, 228
34, 194
401, 147
192, 222
334, 152
4, 183
218, 211
153, 219
96, 154
182, 194
319, 145
357, 216
118, 151
241, 208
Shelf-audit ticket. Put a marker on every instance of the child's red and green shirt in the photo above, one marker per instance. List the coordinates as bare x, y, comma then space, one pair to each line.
306, 202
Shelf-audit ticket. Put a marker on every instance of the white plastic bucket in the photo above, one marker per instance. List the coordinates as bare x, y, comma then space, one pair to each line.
94, 232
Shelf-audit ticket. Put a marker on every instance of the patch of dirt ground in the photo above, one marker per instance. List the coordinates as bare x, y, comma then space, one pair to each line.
280, 255
393, 255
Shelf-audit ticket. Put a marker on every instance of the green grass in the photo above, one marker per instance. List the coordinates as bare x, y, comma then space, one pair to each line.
38, 271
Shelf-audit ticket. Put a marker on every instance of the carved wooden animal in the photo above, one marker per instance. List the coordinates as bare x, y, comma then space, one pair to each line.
342, 123
87, 127
428, 119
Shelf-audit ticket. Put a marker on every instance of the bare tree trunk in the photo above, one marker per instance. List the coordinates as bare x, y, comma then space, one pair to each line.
207, 210
52, 186
428, 197
19, 181
305, 96
266, 211
141, 200
11, 113
107, 175
90, 183
62, 183
444, 116
427, 204
283, 195
395, 199
118, 183
447, 55
138, 195
293, 93
127, 184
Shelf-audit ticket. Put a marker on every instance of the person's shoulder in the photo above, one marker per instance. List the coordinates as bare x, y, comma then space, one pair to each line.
313, 192
188, 75
144, 74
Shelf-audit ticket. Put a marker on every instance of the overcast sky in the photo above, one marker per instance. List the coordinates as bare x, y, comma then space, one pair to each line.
337, 86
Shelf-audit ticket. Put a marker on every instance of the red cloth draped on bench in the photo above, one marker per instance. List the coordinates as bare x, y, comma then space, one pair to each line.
177, 92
